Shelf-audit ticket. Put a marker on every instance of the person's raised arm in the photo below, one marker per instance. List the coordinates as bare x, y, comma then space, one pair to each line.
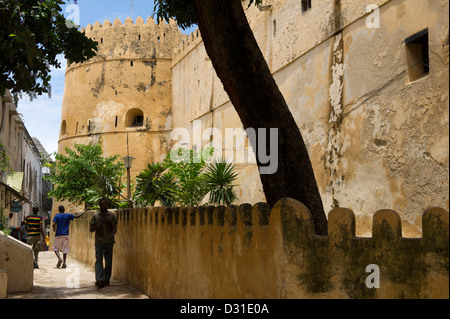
81, 214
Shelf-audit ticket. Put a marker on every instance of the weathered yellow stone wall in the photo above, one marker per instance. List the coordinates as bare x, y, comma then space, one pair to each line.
131, 71
375, 139
256, 252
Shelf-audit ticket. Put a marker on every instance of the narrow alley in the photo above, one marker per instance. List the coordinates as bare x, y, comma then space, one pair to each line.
74, 282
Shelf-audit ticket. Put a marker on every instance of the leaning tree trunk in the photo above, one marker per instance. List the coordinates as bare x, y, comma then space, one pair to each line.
245, 75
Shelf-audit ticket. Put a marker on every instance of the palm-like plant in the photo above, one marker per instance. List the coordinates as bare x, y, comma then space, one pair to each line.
219, 178
153, 185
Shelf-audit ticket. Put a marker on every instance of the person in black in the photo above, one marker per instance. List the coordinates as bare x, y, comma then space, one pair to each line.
104, 224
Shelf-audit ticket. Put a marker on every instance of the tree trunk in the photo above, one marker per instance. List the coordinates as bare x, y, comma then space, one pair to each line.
245, 75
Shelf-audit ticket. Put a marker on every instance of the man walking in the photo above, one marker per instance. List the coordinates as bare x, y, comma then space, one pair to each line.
60, 225
34, 230
104, 224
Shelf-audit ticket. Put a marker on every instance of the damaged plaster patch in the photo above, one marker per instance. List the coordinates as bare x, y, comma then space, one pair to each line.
335, 141
337, 72
103, 113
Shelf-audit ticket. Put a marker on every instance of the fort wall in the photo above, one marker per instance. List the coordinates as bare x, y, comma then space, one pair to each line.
125, 90
372, 132
376, 137
256, 252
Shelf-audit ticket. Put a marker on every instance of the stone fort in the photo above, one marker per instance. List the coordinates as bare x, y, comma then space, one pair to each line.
366, 81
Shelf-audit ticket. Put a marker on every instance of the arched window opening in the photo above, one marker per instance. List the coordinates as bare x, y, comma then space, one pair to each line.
63, 127
134, 118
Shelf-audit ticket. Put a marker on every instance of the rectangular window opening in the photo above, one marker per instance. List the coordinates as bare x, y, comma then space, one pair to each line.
274, 24
306, 5
131, 63
417, 55
115, 124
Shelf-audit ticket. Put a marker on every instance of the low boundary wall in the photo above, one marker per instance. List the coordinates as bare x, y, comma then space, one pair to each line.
16, 259
256, 252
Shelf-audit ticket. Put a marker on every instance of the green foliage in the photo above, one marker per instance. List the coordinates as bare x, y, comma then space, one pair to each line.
182, 11
184, 178
4, 222
32, 34
220, 176
85, 176
4, 160
152, 185
188, 168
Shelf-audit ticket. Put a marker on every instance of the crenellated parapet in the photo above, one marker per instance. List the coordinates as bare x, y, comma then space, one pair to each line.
253, 251
186, 45
138, 40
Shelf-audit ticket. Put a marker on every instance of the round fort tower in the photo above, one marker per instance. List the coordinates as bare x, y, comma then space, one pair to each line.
124, 92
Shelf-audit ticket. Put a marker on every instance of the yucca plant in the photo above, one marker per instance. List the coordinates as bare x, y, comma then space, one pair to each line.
152, 185
220, 176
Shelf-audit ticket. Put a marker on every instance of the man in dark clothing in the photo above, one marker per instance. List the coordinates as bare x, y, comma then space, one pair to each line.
34, 229
61, 223
104, 224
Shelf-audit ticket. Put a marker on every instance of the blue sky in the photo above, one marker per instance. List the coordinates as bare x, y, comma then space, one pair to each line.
42, 116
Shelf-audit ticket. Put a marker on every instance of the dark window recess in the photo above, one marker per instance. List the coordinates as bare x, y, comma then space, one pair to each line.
139, 37
306, 5
101, 40
115, 124
63, 127
131, 63
138, 120
417, 55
